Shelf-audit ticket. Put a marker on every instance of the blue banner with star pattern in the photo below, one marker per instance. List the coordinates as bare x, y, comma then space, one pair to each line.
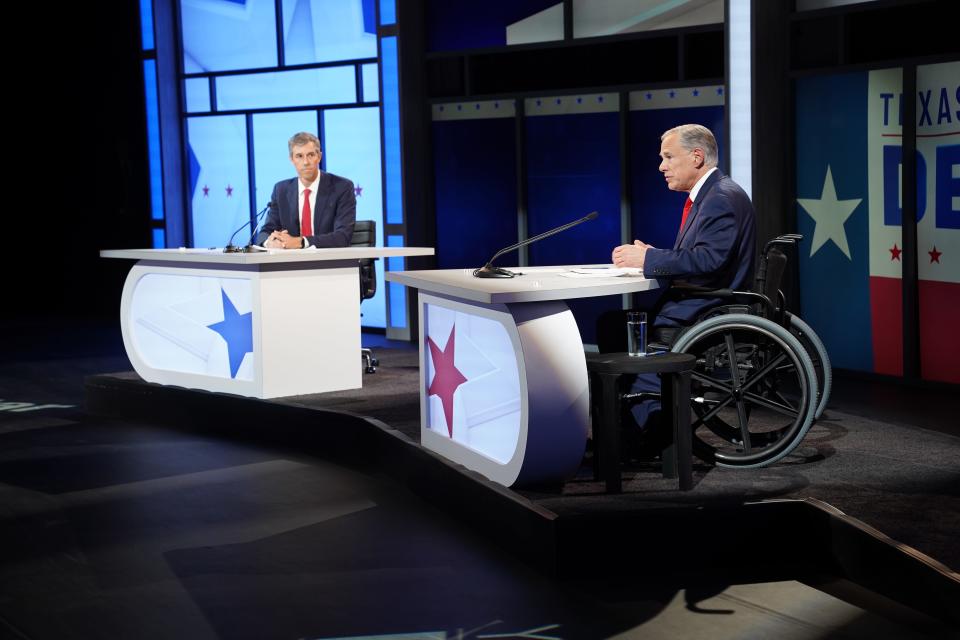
832, 215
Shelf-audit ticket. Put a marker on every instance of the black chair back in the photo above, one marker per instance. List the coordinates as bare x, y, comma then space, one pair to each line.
365, 235
776, 264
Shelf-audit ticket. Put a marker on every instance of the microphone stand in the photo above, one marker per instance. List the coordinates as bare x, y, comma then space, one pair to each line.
253, 232
489, 271
231, 248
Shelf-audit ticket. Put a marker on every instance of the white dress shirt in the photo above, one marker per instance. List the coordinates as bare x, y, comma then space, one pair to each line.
696, 187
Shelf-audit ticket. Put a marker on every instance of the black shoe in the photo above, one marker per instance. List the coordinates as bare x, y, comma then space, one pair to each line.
647, 443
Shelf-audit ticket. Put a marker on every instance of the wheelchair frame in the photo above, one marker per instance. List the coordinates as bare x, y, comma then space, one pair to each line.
755, 361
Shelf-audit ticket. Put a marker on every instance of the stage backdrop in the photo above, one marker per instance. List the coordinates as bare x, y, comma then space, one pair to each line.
231, 63
572, 153
849, 210
573, 168
475, 173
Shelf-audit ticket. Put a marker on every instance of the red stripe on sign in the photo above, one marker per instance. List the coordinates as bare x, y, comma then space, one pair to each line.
886, 316
939, 343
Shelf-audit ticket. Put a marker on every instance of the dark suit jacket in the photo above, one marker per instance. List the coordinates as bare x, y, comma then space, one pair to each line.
716, 248
334, 211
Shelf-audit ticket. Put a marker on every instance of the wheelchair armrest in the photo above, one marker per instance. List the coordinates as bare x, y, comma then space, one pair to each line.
680, 291
683, 288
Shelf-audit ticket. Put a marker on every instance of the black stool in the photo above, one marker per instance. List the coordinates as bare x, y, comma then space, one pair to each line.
605, 370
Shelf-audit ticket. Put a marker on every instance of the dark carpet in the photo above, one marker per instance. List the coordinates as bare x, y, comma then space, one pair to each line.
901, 479
124, 529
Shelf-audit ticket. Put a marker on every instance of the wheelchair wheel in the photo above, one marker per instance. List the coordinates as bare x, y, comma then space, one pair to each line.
821, 361
753, 390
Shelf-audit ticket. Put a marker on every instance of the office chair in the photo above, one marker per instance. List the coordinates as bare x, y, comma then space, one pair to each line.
365, 235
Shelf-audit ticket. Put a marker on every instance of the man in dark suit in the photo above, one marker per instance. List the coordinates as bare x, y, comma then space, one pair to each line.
315, 209
715, 245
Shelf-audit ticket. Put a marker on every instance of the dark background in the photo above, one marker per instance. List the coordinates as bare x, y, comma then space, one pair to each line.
76, 155
76, 137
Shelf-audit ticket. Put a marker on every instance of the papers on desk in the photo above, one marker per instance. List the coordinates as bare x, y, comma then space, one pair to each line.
602, 272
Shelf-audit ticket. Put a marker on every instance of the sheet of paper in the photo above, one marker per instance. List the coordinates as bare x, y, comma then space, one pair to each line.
602, 272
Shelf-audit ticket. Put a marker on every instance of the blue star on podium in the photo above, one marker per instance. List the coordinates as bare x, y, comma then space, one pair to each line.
237, 330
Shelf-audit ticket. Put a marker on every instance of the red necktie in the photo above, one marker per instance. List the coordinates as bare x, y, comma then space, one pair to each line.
686, 211
306, 226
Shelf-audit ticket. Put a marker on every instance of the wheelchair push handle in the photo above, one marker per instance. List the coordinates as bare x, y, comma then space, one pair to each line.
786, 240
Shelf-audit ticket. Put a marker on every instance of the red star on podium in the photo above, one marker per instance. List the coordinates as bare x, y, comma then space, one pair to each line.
446, 377
229, 191
935, 255
358, 190
206, 191
895, 252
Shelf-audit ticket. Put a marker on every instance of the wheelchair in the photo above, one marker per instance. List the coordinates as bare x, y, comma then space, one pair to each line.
762, 375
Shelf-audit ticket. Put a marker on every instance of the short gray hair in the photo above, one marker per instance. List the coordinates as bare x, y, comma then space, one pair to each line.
696, 136
302, 138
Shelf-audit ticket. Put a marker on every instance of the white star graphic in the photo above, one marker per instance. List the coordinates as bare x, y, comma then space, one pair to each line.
829, 215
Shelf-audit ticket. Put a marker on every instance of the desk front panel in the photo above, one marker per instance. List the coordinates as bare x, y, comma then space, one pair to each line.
503, 388
255, 333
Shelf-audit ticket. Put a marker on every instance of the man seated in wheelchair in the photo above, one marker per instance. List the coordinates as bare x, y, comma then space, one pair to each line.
715, 245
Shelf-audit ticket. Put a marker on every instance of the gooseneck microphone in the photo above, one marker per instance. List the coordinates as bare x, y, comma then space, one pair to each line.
489, 271
256, 227
231, 248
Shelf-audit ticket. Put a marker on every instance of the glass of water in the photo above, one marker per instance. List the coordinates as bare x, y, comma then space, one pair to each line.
637, 333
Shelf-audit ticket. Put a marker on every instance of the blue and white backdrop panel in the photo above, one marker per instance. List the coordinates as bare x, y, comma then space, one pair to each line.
352, 150
219, 178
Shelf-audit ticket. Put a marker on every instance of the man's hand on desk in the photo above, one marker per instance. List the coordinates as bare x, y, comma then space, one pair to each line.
631, 255
283, 240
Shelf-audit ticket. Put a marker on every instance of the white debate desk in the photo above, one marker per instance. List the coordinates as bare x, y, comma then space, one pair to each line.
265, 324
503, 378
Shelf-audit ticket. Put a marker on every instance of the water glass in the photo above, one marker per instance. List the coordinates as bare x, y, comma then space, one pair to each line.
637, 333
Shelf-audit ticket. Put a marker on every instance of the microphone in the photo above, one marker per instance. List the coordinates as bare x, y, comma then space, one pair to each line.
231, 248
489, 271
256, 227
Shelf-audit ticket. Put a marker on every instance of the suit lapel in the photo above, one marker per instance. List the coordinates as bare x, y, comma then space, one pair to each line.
323, 194
293, 204
695, 209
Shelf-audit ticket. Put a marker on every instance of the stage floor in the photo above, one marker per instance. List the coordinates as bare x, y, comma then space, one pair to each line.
901, 479
187, 514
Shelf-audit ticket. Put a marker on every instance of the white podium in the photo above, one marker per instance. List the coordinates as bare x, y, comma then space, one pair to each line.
266, 324
503, 378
